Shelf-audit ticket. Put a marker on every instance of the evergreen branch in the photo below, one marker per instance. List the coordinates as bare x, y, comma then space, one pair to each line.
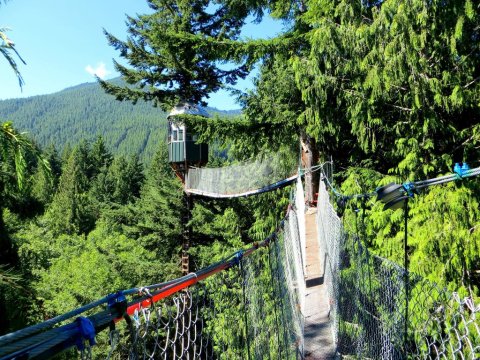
471, 230
400, 107
9, 278
5, 48
14, 144
471, 82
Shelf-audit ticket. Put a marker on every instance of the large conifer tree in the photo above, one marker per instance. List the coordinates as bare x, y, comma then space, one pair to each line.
175, 52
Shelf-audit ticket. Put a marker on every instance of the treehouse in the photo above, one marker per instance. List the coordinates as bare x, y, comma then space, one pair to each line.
183, 151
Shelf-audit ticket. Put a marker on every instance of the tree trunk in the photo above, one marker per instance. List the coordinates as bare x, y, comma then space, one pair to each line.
310, 158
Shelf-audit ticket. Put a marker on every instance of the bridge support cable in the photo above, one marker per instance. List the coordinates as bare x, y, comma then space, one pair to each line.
378, 312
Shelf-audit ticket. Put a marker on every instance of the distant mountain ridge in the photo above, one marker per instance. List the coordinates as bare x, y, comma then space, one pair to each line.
84, 111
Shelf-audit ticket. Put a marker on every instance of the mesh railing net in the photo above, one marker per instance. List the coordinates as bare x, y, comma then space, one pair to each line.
369, 310
273, 298
239, 179
249, 311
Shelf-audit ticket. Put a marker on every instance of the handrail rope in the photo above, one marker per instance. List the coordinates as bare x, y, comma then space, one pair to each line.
8, 338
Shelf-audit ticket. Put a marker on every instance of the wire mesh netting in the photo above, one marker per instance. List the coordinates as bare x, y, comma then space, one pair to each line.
252, 311
171, 329
242, 178
273, 300
331, 237
380, 311
300, 213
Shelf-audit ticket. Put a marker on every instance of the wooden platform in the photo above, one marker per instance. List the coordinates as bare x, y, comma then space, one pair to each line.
318, 334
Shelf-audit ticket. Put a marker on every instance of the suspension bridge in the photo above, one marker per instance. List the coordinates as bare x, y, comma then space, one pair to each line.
309, 290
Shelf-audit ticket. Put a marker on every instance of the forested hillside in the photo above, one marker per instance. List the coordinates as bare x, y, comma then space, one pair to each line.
84, 112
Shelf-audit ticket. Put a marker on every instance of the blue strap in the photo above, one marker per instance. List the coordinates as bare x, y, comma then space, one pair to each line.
461, 171
115, 298
409, 188
86, 332
237, 258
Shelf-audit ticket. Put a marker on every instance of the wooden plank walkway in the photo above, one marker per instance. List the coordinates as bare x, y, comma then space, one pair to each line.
318, 334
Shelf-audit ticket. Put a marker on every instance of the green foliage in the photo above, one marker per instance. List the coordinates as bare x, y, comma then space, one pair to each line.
443, 239
100, 157
17, 153
269, 121
92, 267
45, 182
15, 148
120, 183
161, 206
96, 244
71, 209
448, 217
219, 228
229, 341
402, 78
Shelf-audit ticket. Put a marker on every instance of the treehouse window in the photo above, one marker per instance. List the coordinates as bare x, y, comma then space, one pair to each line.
174, 136
180, 135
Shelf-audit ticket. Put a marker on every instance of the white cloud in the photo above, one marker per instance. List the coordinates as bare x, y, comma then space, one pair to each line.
101, 71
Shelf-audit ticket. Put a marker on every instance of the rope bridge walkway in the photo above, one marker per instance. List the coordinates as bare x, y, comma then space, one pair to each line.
253, 304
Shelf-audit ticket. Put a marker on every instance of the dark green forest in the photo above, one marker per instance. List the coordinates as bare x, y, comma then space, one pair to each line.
389, 90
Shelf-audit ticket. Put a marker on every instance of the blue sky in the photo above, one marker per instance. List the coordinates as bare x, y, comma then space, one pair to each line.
63, 44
